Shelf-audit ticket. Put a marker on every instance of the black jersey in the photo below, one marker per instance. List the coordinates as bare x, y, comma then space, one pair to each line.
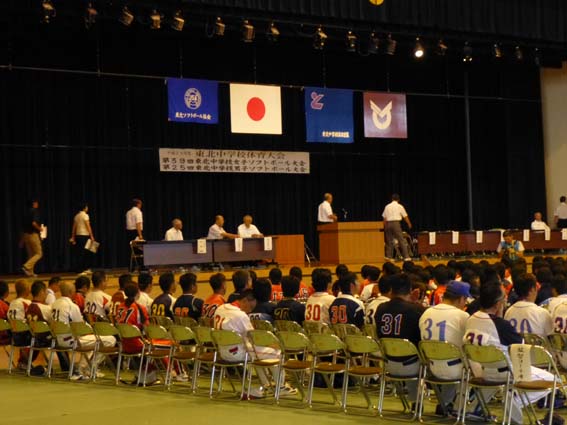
398, 318
188, 305
347, 309
263, 311
163, 306
290, 309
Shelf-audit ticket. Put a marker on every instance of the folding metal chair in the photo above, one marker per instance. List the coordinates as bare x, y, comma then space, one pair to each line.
156, 352
298, 346
102, 329
127, 331
63, 331
5, 336
186, 321
136, 254
78, 331
262, 325
206, 322
343, 329
41, 340
558, 346
21, 339
205, 352
164, 321
370, 330
261, 340
184, 348
225, 339
313, 328
288, 326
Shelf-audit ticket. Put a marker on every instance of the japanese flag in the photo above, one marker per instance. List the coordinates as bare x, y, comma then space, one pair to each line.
255, 109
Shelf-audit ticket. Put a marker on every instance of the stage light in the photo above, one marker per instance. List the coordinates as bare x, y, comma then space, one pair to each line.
273, 33
219, 27
467, 53
351, 42
418, 51
48, 11
497, 51
127, 17
391, 45
90, 16
442, 48
248, 32
177, 23
373, 44
518, 52
155, 20
319, 39
376, 2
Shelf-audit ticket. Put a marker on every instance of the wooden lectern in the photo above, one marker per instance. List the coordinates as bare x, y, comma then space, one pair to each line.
351, 242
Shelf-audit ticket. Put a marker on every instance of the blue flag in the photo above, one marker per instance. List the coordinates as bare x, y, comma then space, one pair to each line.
193, 100
328, 115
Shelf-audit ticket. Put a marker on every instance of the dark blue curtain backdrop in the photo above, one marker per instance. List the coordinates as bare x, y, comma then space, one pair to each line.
68, 137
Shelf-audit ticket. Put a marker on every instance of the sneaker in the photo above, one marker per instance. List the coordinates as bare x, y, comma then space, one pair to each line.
287, 391
77, 377
88, 271
27, 272
255, 393
183, 377
23, 365
407, 259
38, 370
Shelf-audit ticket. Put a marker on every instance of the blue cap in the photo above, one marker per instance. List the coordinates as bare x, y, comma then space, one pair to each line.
459, 289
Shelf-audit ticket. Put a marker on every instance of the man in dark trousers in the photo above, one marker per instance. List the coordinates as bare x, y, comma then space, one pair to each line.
31, 239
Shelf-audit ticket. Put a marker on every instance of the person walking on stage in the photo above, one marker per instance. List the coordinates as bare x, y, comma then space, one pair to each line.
135, 221
393, 214
325, 211
31, 239
80, 234
560, 216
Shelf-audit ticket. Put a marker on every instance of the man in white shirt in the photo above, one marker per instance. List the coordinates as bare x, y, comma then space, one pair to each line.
135, 221
524, 315
560, 216
247, 229
175, 233
216, 231
393, 214
325, 212
538, 223
19, 305
318, 304
52, 289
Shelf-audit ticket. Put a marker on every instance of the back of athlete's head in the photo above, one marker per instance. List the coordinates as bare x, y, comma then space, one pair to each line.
296, 272
524, 283
4, 289
248, 294
401, 284
124, 279
290, 286
37, 287
131, 291
491, 293
544, 275
559, 283
22, 287
373, 274
217, 281
275, 276
262, 290
253, 276
346, 281
364, 271
98, 278
187, 282
240, 280
441, 274
390, 268
144, 281
166, 281
385, 284
320, 279
67, 289
54, 281
82, 282
341, 270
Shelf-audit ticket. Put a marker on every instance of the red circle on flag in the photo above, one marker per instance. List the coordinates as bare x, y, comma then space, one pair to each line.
256, 109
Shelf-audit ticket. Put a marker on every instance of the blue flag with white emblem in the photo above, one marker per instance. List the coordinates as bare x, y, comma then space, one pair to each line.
328, 115
193, 100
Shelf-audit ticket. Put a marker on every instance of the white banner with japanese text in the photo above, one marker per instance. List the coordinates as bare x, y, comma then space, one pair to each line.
232, 161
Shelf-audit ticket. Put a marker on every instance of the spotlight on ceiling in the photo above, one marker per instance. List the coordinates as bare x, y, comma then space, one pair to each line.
155, 20
351, 42
48, 11
519, 53
497, 51
373, 44
467, 53
178, 22
90, 16
442, 48
418, 51
273, 33
126, 18
319, 39
219, 27
247, 31
391, 45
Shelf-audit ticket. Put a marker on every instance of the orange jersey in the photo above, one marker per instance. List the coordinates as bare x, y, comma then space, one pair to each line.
210, 305
437, 297
277, 293
79, 300
4, 306
303, 291
136, 315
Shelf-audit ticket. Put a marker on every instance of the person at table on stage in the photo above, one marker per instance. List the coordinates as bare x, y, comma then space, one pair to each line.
538, 223
135, 221
393, 214
175, 233
325, 213
247, 229
216, 231
510, 247
560, 216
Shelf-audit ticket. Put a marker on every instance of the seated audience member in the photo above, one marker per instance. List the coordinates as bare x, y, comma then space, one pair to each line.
372, 276
19, 306
275, 277
544, 277
163, 304
441, 278
247, 229
253, 277
216, 231
559, 291
82, 286
4, 305
188, 305
446, 322
218, 284
346, 308
145, 289
175, 233
52, 289
525, 316
303, 293
364, 276
118, 297
97, 302
380, 294
66, 311
509, 247
487, 327
289, 308
241, 281
264, 309
318, 304
538, 223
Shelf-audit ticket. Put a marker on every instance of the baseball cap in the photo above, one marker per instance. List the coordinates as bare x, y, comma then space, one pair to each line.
459, 289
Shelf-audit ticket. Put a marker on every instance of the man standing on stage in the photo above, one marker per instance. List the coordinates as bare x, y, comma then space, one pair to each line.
325, 213
560, 216
31, 239
135, 221
393, 214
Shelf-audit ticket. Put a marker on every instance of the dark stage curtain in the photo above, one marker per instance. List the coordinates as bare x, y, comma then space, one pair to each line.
70, 137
